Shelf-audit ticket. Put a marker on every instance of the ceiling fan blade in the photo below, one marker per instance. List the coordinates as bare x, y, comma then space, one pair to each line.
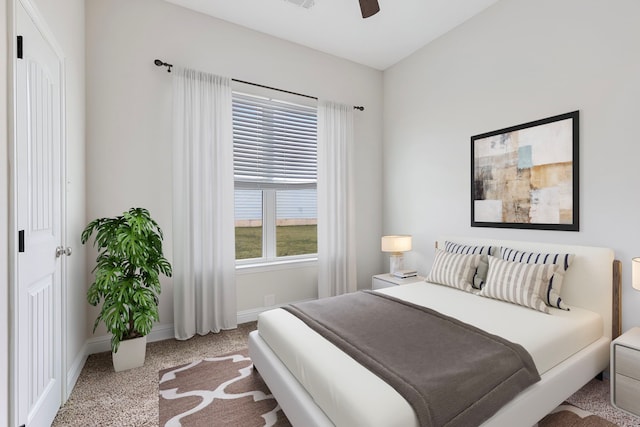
369, 7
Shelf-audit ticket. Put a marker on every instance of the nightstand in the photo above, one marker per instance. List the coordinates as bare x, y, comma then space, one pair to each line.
625, 371
380, 281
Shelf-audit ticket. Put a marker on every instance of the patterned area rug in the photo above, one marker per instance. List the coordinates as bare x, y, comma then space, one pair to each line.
217, 391
227, 391
567, 415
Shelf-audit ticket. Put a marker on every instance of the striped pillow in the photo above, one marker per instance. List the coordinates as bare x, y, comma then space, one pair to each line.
455, 270
517, 282
481, 273
551, 293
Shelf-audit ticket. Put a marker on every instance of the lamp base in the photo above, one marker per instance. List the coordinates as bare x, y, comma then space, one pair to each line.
396, 262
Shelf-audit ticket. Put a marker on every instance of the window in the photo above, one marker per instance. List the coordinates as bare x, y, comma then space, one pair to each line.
275, 170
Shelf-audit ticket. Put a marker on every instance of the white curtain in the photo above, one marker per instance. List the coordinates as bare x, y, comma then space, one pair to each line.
203, 198
336, 219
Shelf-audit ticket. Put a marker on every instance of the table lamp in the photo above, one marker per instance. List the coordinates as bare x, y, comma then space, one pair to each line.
396, 245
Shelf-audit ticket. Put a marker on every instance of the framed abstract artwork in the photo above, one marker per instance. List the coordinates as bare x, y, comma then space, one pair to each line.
526, 176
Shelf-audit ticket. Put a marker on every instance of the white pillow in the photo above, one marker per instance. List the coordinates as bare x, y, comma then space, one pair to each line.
551, 293
517, 282
455, 270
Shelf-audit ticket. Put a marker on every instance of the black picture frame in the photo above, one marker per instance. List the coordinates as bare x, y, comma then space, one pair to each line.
527, 176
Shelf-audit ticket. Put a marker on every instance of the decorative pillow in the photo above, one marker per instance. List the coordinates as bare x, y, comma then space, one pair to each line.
551, 294
455, 270
481, 273
517, 282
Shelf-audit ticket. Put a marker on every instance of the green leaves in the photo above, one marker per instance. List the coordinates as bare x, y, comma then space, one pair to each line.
127, 273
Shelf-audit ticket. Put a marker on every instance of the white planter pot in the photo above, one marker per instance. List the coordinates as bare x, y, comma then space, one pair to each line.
130, 354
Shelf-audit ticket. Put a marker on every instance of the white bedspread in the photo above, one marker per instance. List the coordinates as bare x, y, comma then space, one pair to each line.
350, 395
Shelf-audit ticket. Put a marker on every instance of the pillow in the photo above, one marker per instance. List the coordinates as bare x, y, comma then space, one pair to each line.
481, 273
455, 270
551, 294
517, 282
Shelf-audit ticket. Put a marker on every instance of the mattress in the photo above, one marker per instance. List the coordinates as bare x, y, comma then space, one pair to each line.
350, 395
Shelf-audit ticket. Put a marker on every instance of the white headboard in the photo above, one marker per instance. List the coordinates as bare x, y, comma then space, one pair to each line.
587, 282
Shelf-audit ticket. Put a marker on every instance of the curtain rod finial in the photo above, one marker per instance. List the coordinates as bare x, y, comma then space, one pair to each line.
358, 107
161, 63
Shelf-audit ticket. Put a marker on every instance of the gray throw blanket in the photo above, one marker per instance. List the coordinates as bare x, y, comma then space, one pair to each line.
452, 374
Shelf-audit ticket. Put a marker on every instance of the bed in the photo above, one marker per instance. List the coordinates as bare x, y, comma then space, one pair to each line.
317, 384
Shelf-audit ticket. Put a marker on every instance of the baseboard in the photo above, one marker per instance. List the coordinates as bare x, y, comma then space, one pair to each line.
251, 315
247, 316
103, 343
73, 373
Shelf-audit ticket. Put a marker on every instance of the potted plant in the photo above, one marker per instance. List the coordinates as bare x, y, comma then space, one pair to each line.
127, 280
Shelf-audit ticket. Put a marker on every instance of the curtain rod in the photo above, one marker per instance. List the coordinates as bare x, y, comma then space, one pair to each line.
161, 63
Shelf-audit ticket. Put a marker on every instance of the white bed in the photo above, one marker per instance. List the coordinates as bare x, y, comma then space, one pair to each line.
333, 389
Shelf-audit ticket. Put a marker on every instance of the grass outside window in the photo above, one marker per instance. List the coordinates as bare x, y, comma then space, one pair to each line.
290, 240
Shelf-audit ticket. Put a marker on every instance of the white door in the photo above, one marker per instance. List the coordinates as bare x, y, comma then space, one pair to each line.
37, 355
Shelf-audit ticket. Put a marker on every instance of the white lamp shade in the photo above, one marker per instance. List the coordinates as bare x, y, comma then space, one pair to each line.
396, 244
635, 273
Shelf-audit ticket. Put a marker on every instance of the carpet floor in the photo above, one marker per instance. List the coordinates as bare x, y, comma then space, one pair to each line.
103, 397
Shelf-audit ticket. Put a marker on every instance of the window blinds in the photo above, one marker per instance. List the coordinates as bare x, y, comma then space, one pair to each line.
274, 143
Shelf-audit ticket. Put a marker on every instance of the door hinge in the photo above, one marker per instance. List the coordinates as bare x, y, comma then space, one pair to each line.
21, 241
19, 47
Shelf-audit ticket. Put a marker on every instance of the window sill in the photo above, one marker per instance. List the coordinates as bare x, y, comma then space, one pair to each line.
275, 265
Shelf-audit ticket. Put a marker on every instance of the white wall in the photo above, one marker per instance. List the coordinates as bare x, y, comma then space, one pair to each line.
129, 119
516, 62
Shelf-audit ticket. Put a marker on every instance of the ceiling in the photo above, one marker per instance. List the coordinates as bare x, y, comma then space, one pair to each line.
336, 26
